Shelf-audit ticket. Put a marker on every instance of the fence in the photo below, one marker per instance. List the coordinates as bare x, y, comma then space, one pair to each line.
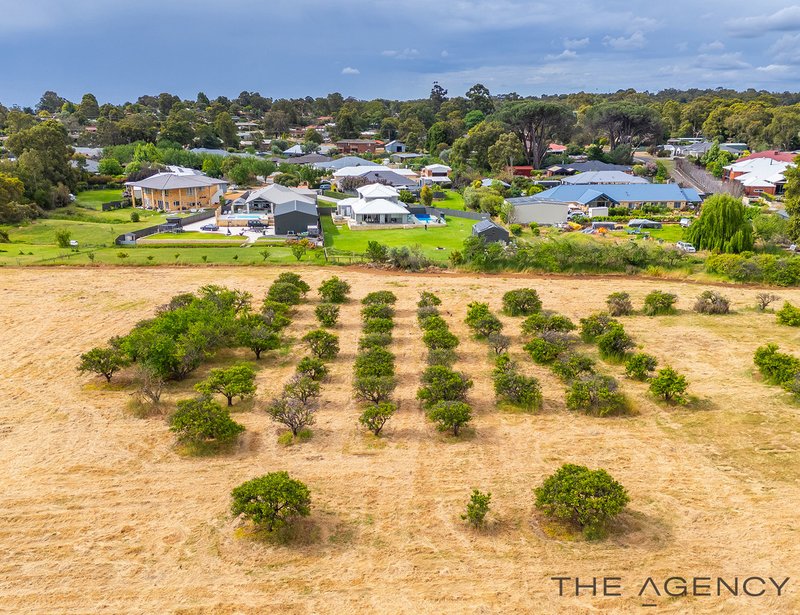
130, 238
112, 205
455, 213
705, 181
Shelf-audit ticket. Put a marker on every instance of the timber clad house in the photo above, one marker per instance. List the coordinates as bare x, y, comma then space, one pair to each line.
357, 146
176, 191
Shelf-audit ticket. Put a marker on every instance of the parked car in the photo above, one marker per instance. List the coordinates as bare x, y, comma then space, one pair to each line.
685, 246
73, 243
209, 227
685, 222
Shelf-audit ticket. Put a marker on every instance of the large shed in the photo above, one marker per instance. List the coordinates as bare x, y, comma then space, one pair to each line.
295, 216
490, 231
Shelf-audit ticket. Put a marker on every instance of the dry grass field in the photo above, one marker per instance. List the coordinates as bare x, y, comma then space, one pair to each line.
99, 514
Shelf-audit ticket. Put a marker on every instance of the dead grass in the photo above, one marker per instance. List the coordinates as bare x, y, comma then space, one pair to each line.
100, 514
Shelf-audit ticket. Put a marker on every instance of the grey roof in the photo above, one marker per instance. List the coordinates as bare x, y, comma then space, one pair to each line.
534, 200
620, 193
594, 165
219, 152
89, 152
346, 161
171, 181
304, 159
301, 206
485, 225
277, 194
604, 177
394, 179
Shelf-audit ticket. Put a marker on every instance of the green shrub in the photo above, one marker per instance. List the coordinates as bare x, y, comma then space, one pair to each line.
327, 314
521, 302
477, 508
515, 229
292, 413
712, 302
440, 383
597, 395
450, 415
481, 320
334, 290
434, 322
287, 277
374, 389
273, 500
658, 302
372, 340
548, 346
313, 368
284, 292
441, 356
380, 297
776, 367
203, 421
234, 381
614, 343
374, 417
516, 388
260, 332
789, 315
427, 299
103, 361
546, 321
570, 365
587, 498
619, 304
374, 362
426, 312
439, 339
378, 325
668, 384
322, 344
639, 366
498, 342
377, 310
596, 325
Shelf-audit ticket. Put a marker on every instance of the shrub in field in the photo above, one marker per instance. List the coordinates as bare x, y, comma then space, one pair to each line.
433, 322
789, 315
272, 501
596, 394
498, 342
426, 312
256, 332
776, 367
322, 344
327, 314
546, 347
234, 381
334, 290
584, 497
668, 384
374, 389
275, 314
450, 415
521, 302
658, 302
378, 325
374, 417
103, 361
516, 388
439, 339
793, 387
481, 320
288, 277
546, 321
380, 297
377, 310
441, 356
712, 302
372, 340
440, 383
284, 292
614, 343
595, 325
477, 508
570, 365
301, 388
763, 300
619, 304
374, 362
292, 413
312, 367
640, 366
202, 420
427, 299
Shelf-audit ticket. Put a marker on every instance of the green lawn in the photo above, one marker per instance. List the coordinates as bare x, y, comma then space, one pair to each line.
88, 234
453, 200
448, 238
193, 236
93, 199
669, 233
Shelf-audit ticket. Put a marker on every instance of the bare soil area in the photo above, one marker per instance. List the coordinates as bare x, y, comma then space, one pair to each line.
99, 514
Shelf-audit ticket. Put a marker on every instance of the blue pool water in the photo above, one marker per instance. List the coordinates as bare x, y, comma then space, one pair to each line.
424, 218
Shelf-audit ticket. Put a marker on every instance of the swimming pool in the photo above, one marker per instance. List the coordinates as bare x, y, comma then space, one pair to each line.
426, 219
242, 216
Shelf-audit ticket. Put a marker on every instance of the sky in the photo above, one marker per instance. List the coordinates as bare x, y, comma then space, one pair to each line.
390, 49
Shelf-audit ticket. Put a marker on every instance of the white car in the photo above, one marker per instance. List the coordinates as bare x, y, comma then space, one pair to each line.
685, 222
73, 243
685, 246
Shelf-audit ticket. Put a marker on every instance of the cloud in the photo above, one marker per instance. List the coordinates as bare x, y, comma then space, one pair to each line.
774, 68
786, 19
636, 40
567, 54
349, 70
787, 49
576, 43
723, 61
404, 54
444, 53
713, 46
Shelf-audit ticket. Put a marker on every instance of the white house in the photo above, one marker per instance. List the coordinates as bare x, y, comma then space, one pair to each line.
376, 204
264, 200
438, 174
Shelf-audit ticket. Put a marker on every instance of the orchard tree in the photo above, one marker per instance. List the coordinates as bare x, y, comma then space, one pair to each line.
256, 332
313, 368
521, 302
272, 501
103, 361
374, 389
450, 415
322, 344
327, 314
374, 417
203, 421
292, 413
235, 381
477, 508
669, 385
334, 290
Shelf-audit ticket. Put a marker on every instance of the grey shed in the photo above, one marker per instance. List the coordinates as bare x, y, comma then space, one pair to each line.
490, 231
295, 216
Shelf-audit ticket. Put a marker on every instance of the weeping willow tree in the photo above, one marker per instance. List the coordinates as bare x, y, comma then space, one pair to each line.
792, 199
722, 226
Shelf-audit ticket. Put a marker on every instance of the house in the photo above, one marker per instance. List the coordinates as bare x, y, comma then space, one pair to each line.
772, 154
488, 182
435, 174
395, 147
376, 174
357, 146
304, 159
527, 209
403, 156
176, 191
490, 232
377, 204
632, 196
295, 217
603, 177
758, 175
266, 200
584, 167
295, 150
344, 162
